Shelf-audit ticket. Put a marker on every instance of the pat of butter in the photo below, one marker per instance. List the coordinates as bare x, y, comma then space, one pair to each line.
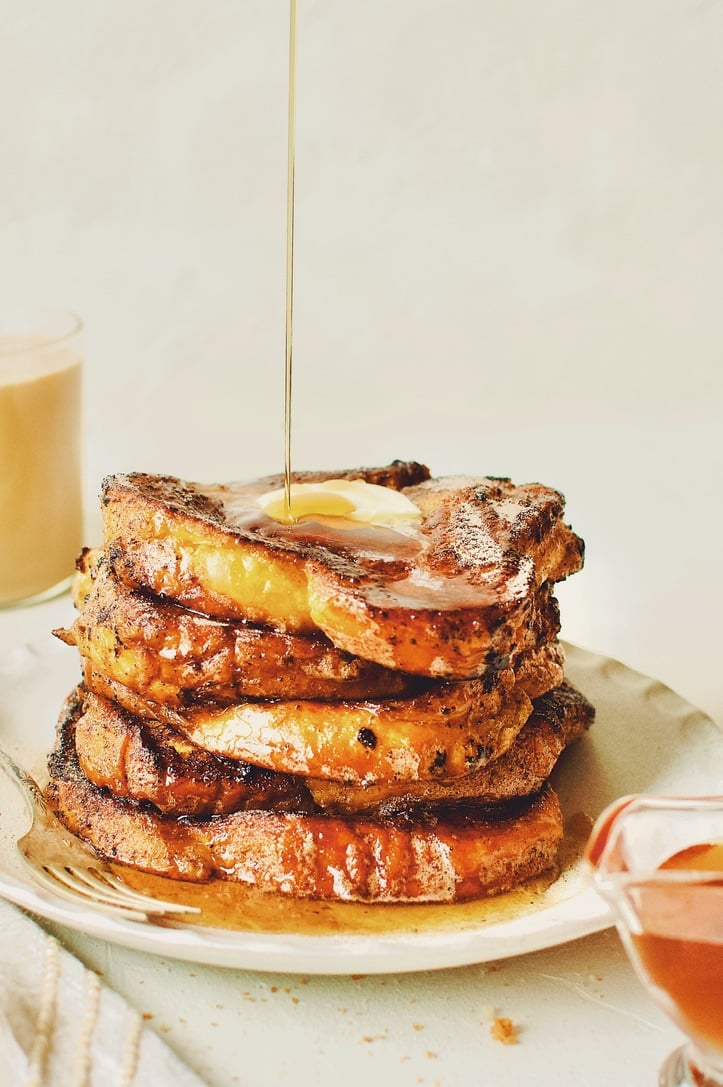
351, 499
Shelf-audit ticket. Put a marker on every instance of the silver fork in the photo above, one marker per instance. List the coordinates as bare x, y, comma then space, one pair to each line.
63, 864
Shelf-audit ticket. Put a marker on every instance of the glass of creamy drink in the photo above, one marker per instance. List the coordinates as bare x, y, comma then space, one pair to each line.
40, 454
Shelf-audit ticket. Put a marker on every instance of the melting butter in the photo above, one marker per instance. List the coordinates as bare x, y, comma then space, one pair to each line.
352, 499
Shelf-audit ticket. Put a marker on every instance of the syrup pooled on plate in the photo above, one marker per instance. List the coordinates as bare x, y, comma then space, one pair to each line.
242, 908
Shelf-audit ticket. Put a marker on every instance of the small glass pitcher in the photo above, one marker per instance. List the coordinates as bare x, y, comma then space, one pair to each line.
659, 863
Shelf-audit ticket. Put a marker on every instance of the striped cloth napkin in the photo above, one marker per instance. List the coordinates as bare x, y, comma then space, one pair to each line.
61, 1027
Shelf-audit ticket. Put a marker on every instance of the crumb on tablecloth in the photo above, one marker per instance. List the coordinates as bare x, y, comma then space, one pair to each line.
504, 1030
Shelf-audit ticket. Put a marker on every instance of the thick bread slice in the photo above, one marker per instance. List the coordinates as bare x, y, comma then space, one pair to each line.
558, 718
446, 599
458, 856
205, 547
129, 757
145, 761
540, 670
535, 672
449, 730
178, 657
471, 592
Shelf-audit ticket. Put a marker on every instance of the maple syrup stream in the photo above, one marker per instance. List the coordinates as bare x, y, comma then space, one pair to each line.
291, 157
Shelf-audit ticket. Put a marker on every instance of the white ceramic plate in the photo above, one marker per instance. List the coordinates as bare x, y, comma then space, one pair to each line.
645, 739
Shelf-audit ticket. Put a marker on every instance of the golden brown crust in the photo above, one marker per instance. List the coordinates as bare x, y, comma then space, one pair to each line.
179, 658
442, 602
149, 761
457, 856
193, 543
127, 756
540, 670
559, 717
447, 731
471, 593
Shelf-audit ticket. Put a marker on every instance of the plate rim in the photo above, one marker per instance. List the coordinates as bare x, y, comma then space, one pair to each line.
579, 914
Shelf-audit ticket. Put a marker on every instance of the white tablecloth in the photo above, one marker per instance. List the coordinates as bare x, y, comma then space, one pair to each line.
61, 1026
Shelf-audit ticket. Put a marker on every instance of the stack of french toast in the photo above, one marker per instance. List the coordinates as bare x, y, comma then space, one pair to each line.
356, 693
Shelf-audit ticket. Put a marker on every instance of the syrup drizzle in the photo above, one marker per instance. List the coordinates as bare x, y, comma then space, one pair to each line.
291, 157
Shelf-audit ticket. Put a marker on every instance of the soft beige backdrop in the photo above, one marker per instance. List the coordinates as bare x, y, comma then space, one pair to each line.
509, 256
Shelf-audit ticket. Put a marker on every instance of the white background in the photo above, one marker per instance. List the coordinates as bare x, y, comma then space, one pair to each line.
509, 257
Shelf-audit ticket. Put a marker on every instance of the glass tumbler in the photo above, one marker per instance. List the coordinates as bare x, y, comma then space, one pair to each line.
40, 454
659, 864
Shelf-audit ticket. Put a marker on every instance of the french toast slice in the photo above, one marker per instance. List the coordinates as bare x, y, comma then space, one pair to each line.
454, 856
200, 545
127, 756
540, 670
151, 762
450, 729
178, 657
559, 717
447, 598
